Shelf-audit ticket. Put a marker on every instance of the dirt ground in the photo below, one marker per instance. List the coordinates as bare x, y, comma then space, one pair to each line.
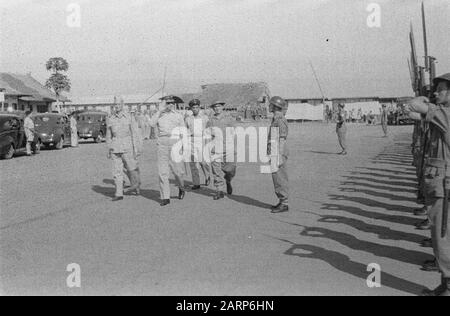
346, 213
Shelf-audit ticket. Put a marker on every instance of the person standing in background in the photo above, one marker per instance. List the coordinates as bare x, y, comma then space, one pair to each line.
29, 132
384, 120
341, 129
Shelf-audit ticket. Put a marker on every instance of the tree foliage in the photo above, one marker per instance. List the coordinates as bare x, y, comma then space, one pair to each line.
58, 82
57, 64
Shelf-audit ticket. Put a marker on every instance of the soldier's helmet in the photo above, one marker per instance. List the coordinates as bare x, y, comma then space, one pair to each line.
445, 77
194, 102
278, 102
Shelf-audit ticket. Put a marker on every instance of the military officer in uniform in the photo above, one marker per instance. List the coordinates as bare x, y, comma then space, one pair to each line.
341, 129
437, 174
278, 106
196, 125
223, 162
124, 148
166, 121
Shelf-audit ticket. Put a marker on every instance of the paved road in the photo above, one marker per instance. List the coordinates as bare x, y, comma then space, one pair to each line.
347, 212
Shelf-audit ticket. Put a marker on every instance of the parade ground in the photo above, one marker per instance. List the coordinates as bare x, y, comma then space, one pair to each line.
346, 212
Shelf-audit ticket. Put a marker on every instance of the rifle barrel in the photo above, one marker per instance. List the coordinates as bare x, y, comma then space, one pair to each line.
425, 42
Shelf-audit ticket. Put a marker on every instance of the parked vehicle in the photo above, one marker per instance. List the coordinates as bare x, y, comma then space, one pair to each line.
92, 124
12, 135
52, 129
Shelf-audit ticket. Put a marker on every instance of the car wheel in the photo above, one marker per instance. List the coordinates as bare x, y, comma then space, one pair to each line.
99, 138
10, 153
60, 144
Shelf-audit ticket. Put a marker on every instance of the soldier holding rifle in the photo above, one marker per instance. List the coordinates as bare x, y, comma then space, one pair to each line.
437, 173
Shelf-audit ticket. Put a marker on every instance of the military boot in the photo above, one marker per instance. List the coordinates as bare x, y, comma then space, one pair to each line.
218, 196
181, 193
165, 202
281, 208
229, 188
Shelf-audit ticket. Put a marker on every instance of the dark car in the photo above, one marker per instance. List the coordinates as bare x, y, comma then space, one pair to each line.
52, 129
12, 135
92, 124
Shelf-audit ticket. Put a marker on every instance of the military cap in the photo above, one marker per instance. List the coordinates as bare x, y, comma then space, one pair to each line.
445, 77
278, 102
194, 102
172, 99
341, 105
217, 103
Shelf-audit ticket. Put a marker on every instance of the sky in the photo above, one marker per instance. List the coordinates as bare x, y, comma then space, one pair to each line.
124, 46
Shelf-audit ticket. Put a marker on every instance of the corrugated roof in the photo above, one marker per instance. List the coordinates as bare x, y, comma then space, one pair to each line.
234, 94
25, 85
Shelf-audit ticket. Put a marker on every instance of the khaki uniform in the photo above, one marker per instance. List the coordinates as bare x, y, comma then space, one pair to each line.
223, 163
196, 127
437, 169
28, 125
280, 178
123, 139
165, 123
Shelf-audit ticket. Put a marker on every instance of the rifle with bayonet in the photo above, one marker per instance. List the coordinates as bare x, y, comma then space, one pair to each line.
421, 88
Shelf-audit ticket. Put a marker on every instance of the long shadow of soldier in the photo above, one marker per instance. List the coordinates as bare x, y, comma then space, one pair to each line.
398, 219
378, 187
386, 182
376, 203
343, 263
350, 241
395, 171
412, 178
384, 233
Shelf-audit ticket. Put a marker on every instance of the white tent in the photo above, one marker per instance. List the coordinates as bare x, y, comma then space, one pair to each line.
305, 111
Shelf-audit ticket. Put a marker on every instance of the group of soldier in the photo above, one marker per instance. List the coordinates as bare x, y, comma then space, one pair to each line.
431, 152
125, 146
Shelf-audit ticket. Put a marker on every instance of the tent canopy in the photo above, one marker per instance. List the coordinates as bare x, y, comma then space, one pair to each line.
305, 111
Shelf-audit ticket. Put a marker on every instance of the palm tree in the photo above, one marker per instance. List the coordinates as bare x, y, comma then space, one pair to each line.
58, 82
